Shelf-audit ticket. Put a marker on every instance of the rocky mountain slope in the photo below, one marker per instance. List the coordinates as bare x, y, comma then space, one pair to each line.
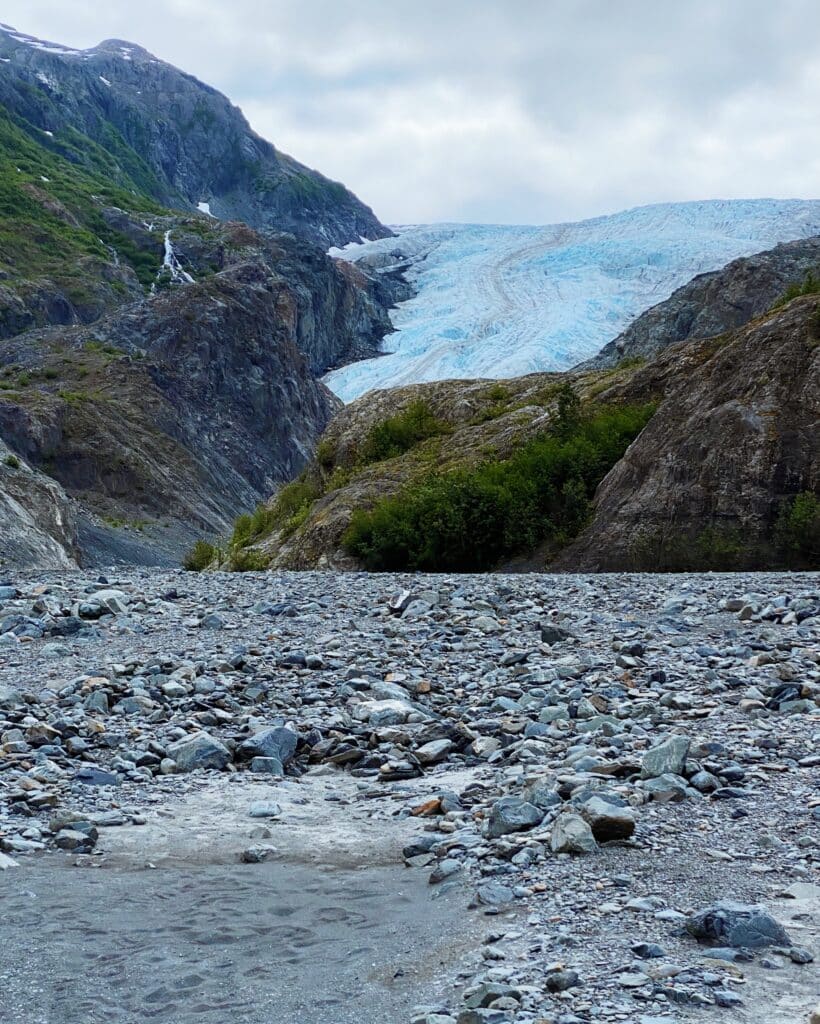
713, 303
159, 366
182, 142
173, 414
37, 520
735, 436
732, 441
500, 301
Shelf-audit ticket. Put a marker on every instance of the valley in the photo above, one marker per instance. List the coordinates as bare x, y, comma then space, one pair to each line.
398, 625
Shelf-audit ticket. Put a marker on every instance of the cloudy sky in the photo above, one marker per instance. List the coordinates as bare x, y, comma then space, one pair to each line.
517, 111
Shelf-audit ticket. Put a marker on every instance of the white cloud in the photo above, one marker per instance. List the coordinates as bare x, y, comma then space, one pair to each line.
529, 111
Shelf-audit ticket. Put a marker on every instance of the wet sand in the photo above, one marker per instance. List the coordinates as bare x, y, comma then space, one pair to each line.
264, 943
168, 926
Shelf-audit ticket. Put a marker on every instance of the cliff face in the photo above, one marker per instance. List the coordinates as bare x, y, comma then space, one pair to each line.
735, 436
711, 304
159, 366
37, 521
180, 141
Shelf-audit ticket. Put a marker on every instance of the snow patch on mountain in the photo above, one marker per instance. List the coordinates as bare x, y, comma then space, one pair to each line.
502, 301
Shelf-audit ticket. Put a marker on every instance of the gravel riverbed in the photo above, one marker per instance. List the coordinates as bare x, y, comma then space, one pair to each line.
333, 798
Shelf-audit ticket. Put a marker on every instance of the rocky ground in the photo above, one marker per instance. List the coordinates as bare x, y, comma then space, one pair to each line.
332, 798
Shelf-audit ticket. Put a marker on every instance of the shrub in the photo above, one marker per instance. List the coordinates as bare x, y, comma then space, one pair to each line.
400, 433
201, 555
12, 462
809, 286
470, 519
325, 453
249, 560
797, 531
287, 513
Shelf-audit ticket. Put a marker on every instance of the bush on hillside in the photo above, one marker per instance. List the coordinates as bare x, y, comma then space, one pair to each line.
797, 532
470, 520
201, 555
400, 433
809, 286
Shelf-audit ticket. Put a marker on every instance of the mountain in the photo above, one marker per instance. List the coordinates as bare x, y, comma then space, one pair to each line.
714, 303
717, 444
504, 301
170, 415
158, 368
182, 143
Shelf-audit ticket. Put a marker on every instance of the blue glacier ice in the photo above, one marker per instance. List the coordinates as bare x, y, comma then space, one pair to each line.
501, 301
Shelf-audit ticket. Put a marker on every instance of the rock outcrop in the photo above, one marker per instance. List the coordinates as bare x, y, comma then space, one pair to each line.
172, 415
711, 304
734, 437
37, 523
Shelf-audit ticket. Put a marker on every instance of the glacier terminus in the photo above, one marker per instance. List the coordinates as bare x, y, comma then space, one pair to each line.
502, 301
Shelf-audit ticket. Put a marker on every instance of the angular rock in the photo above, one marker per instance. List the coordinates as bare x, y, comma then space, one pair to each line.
199, 751
512, 814
738, 925
571, 834
667, 758
274, 741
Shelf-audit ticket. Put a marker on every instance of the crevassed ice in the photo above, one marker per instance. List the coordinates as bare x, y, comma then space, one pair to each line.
501, 301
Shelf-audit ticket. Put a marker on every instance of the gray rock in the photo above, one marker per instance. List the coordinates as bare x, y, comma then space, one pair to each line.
667, 758
487, 993
738, 925
267, 766
273, 741
264, 809
512, 814
199, 751
571, 834
607, 820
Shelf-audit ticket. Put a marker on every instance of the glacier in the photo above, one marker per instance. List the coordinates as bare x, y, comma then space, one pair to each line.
503, 301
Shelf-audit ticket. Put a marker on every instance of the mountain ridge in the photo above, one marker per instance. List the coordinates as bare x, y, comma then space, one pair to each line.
189, 143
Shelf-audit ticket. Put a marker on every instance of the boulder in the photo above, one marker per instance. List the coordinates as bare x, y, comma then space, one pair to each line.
273, 741
199, 751
571, 834
739, 925
512, 814
607, 820
667, 758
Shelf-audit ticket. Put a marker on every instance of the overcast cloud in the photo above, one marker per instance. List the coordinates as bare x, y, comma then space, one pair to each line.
524, 111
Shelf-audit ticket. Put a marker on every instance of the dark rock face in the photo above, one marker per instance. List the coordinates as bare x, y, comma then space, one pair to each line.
180, 141
711, 304
734, 436
182, 410
37, 521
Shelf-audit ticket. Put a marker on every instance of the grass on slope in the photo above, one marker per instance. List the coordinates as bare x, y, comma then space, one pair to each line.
470, 520
50, 210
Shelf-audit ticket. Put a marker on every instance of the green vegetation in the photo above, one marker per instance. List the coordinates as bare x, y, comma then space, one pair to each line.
400, 433
469, 520
74, 397
12, 462
51, 195
809, 286
201, 555
792, 543
797, 531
